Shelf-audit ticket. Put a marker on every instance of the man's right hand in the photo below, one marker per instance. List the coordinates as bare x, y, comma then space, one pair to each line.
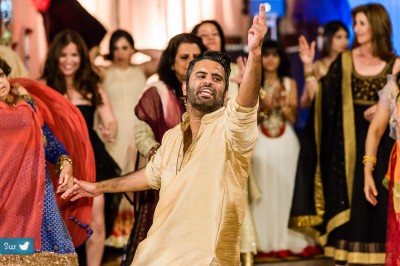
81, 189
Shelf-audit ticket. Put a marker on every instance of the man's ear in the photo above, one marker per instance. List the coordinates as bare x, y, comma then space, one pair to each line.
226, 94
184, 89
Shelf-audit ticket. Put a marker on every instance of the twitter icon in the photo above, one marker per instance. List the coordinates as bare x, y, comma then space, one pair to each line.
24, 246
16, 245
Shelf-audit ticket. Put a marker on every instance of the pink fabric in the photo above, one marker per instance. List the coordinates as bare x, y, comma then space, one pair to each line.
393, 228
41, 5
22, 173
159, 108
68, 125
171, 106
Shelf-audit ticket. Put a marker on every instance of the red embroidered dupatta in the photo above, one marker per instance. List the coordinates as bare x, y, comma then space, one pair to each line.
22, 173
68, 125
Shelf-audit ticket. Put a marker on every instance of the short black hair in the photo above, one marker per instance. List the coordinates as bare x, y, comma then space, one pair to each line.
221, 58
5, 66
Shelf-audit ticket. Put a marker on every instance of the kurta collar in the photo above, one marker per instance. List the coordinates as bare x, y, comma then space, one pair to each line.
208, 118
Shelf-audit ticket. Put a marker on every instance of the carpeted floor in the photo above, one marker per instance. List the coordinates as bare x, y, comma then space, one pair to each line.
113, 256
296, 261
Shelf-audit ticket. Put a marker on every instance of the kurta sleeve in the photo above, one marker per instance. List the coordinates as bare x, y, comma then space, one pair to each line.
152, 171
241, 130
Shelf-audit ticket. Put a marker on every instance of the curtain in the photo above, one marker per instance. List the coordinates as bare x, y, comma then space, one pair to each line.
151, 22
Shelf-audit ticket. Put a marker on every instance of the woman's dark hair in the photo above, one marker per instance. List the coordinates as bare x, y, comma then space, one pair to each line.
219, 29
5, 66
284, 66
398, 81
85, 79
116, 35
330, 30
381, 29
167, 60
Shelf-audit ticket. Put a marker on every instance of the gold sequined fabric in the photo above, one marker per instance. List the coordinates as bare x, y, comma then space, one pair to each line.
40, 259
365, 89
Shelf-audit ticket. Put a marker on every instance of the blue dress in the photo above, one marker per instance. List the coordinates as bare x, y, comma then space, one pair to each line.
54, 233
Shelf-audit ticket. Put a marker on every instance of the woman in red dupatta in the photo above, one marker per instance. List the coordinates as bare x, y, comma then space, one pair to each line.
388, 112
30, 130
159, 109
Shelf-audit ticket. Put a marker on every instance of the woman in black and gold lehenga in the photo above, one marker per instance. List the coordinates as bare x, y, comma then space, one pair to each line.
351, 230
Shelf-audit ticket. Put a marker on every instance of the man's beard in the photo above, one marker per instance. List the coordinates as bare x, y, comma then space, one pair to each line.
200, 105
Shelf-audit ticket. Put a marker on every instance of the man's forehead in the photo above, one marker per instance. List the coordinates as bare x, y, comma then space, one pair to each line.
209, 66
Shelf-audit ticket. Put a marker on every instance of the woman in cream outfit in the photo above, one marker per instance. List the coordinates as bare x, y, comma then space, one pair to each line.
124, 83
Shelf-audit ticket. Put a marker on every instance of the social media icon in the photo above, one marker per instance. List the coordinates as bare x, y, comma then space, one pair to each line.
16, 246
24, 246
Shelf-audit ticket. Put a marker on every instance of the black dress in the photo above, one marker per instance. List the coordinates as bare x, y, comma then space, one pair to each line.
106, 168
329, 197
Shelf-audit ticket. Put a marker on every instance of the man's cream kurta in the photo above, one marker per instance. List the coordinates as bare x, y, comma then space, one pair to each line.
201, 206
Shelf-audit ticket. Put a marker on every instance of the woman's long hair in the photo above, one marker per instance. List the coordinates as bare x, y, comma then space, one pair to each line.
284, 66
381, 29
86, 80
330, 30
167, 60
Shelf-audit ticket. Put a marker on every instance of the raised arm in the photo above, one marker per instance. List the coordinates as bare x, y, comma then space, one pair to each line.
134, 181
307, 53
250, 85
150, 67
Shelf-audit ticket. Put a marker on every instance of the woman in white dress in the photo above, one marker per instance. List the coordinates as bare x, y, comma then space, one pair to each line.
123, 83
275, 156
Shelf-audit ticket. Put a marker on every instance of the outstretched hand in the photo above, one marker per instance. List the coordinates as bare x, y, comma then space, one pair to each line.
258, 30
81, 189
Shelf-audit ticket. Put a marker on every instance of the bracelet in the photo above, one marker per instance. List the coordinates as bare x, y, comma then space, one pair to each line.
263, 115
262, 93
308, 74
371, 159
62, 161
310, 79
